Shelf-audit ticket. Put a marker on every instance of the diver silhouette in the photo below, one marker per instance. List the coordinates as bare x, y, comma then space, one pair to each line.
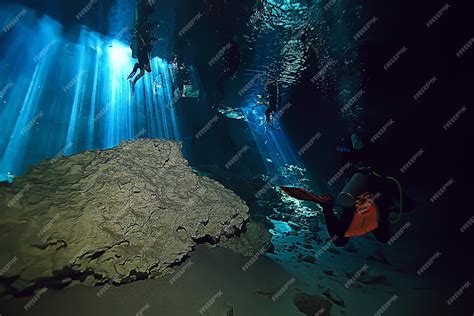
141, 44
366, 202
270, 100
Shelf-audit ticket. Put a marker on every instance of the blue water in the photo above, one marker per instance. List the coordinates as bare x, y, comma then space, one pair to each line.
61, 95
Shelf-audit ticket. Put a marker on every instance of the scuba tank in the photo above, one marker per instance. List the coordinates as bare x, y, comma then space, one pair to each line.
356, 186
357, 142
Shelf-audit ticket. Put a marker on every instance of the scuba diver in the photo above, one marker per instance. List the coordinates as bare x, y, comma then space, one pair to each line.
271, 100
366, 203
141, 50
231, 65
141, 42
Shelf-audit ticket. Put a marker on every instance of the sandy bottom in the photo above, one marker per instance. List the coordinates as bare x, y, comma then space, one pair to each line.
217, 273
211, 271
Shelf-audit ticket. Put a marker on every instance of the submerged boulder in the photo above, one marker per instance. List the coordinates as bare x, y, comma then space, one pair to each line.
117, 215
254, 241
312, 305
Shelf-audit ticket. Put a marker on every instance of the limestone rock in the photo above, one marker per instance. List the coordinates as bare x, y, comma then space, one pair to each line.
309, 259
312, 305
256, 240
333, 297
116, 215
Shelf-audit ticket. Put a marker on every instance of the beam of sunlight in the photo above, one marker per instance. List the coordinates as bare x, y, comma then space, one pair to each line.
64, 96
273, 144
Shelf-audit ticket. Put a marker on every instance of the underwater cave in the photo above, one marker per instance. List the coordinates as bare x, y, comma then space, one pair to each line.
235, 158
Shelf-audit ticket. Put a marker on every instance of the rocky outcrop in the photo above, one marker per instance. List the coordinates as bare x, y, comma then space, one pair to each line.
333, 297
256, 240
312, 305
117, 215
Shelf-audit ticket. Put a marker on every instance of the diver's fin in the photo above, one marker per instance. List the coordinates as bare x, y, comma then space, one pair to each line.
302, 194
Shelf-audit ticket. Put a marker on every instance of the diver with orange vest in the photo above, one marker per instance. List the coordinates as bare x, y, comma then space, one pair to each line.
365, 200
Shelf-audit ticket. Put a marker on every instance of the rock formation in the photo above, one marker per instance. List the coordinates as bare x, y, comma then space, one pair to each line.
111, 216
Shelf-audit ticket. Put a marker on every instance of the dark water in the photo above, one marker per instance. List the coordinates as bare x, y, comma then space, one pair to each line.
342, 67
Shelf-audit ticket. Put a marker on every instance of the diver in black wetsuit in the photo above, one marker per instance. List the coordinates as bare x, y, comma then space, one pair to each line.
380, 192
272, 98
142, 41
231, 64
141, 50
